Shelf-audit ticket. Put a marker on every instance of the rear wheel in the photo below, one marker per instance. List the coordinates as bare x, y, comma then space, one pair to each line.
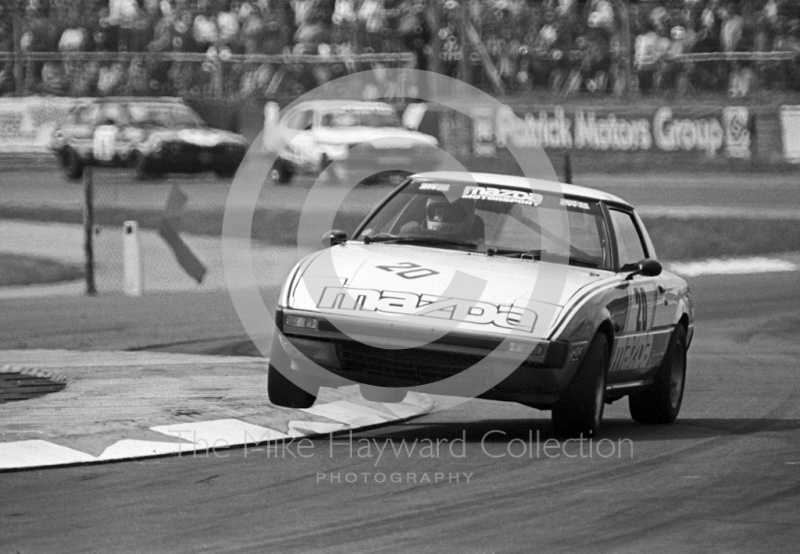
73, 165
662, 402
579, 412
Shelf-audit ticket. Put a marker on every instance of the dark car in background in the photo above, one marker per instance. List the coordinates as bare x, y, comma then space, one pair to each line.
149, 135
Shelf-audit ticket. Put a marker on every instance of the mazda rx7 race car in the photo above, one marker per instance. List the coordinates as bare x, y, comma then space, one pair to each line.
545, 294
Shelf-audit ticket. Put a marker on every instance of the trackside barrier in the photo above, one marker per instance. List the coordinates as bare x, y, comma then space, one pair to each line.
790, 133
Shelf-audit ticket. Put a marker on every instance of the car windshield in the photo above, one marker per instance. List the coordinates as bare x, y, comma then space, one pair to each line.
492, 219
164, 116
360, 118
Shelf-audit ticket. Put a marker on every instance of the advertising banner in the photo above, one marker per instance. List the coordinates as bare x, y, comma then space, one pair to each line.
26, 124
790, 131
707, 131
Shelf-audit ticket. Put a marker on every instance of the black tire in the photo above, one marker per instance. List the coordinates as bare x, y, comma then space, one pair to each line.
382, 394
661, 403
142, 168
579, 411
226, 172
284, 170
73, 165
282, 391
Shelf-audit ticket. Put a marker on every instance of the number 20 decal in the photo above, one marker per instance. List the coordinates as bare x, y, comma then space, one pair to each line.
408, 270
640, 297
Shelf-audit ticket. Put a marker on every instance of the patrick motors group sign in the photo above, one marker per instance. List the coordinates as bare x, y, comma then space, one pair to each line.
709, 131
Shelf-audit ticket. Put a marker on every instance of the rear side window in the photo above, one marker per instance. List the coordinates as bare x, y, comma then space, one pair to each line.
630, 247
88, 115
299, 120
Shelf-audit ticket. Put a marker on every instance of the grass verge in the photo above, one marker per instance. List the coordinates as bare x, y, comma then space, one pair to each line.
675, 238
17, 270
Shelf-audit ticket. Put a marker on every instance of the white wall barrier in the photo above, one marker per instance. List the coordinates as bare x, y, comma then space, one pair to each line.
26, 124
790, 130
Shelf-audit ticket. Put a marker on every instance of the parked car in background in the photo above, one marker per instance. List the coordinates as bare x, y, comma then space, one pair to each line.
319, 132
615, 325
149, 135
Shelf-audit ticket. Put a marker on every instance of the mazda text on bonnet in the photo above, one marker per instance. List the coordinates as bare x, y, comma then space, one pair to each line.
491, 286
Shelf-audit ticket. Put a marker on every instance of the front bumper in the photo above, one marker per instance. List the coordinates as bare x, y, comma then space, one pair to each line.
390, 355
200, 158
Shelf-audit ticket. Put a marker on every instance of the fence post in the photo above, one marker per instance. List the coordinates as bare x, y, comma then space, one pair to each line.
623, 11
16, 31
133, 264
435, 62
567, 168
464, 66
88, 229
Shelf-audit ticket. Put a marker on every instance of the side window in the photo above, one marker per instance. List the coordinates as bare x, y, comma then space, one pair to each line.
88, 115
113, 114
299, 120
629, 242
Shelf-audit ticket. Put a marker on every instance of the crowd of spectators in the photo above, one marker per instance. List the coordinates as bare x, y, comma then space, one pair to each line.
580, 46
567, 46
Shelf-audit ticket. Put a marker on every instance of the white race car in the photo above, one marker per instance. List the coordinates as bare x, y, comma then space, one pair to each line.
459, 274
319, 132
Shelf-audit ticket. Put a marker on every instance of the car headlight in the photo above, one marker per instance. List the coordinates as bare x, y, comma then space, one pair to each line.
301, 322
154, 145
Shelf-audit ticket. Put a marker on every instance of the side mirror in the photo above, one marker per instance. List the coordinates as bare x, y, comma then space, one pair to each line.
645, 268
332, 238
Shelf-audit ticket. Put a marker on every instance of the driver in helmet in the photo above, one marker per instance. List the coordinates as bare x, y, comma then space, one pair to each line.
445, 219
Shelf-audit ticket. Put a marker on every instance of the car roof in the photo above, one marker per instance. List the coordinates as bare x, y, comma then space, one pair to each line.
140, 99
524, 183
339, 104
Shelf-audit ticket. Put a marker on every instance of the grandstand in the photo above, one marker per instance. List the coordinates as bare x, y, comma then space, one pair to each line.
263, 48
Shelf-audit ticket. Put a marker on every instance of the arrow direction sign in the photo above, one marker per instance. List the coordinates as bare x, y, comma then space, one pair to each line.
190, 263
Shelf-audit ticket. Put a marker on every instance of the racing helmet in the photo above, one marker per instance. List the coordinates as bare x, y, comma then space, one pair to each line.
452, 218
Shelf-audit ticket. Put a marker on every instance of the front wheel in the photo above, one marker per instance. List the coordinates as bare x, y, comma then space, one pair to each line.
662, 402
281, 390
579, 411
282, 171
382, 394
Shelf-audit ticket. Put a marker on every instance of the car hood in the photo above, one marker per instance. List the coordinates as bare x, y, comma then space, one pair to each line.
203, 136
399, 138
435, 287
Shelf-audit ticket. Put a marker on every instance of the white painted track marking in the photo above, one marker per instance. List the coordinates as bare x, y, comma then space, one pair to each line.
34, 453
219, 433
733, 266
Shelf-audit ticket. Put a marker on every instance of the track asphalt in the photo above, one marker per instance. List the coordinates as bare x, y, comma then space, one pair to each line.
123, 405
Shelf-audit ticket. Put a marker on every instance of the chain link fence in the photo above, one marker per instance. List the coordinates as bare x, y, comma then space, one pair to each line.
188, 75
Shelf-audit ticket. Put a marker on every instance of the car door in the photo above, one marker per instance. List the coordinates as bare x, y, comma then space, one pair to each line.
301, 150
631, 354
79, 133
108, 142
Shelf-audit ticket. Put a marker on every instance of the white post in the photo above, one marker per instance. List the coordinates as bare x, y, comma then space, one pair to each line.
270, 138
132, 256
